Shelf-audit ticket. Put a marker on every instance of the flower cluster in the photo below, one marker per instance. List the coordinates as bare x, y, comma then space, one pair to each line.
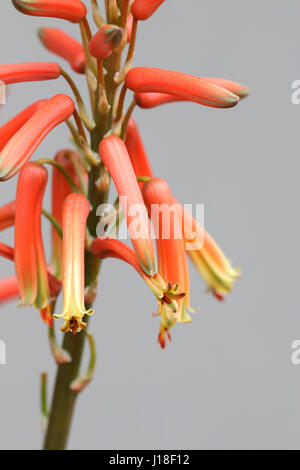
107, 146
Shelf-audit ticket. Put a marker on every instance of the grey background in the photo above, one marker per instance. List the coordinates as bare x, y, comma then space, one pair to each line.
226, 380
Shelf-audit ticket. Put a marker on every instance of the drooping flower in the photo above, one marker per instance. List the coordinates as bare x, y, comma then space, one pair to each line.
30, 263
7, 215
14, 124
60, 190
75, 211
63, 45
9, 289
216, 270
114, 155
137, 152
152, 100
143, 9
25, 141
182, 85
111, 248
71, 10
105, 41
208, 258
172, 262
29, 72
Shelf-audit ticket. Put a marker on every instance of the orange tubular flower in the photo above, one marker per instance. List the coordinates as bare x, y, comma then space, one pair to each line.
71, 10
26, 140
63, 45
152, 100
7, 215
29, 71
9, 289
182, 85
208, 258
111, 248
137, 152
12, 126
75, 211
143, 9
114, 155
60, 190
105, 41
30, 263
172, 262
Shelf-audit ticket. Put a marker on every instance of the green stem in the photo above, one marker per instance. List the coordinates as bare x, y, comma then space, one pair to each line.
64, 398
59, 167
87, 120
124, 13
121, 103
126, 118
53, 221
43, 401
98, 19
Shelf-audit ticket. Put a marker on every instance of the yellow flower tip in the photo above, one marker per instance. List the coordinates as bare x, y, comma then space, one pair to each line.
183, 315
237, 272
245, 92
175, 306
168, 303
75, 325
192, 309
171, 296
220, 289
166, 294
